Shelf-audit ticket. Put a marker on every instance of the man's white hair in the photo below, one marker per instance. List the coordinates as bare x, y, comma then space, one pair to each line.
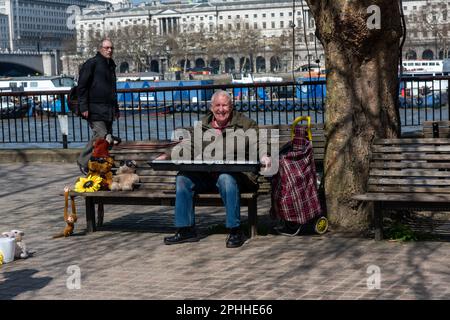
100, 45
222, 93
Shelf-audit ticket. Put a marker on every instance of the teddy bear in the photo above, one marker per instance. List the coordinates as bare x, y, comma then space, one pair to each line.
101, 162
21, 248
125, 177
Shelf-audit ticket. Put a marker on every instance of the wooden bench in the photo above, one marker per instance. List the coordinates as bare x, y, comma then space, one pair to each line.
436, 129
408, 174
158, 187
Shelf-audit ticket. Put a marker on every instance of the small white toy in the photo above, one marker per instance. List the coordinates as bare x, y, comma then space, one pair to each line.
21, 248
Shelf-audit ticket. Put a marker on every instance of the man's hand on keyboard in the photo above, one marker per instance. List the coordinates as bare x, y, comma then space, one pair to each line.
266, 163
163, 156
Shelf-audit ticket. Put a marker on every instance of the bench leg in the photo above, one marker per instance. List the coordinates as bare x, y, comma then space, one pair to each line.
90, 215
100, 214
253, 218
378, 221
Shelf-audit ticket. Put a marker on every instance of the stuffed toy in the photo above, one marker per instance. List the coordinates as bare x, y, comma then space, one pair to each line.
21, 248
71, 218
99, 176
125, 177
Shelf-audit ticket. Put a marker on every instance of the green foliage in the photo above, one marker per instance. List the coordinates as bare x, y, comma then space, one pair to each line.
401, 232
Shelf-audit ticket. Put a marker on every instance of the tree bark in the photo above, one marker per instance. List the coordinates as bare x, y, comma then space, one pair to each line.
362, 94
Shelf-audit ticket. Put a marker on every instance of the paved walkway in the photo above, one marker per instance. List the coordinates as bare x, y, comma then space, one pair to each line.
127, 259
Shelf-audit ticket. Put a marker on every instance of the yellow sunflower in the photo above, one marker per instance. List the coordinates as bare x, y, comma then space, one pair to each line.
89, 184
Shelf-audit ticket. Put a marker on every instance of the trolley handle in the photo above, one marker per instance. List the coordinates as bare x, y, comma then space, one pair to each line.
308, 129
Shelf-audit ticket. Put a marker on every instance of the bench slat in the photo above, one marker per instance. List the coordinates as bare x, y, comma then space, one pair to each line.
410, 164
410, 181
407, 197
406, 189
157, 179
403, 141
147, 171
156, 186
122, 152
411, 156
411, 148
409, 172
151, 195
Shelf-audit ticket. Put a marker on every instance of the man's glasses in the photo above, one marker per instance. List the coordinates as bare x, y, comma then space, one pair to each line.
112, 48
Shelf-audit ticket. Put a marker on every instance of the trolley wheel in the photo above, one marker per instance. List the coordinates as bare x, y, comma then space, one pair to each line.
321, 225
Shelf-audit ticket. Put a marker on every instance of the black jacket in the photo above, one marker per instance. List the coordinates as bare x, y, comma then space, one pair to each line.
97, 88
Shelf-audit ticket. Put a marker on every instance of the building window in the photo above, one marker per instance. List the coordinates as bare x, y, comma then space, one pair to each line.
273, 25
272, 14
264, 25
281, 24
255, 25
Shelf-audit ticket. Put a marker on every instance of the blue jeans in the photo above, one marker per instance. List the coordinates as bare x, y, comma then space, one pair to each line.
188, 185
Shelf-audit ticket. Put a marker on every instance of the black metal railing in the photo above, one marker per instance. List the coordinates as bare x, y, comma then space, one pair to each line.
43, 118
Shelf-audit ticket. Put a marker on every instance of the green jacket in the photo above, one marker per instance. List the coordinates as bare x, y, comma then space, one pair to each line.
240, 125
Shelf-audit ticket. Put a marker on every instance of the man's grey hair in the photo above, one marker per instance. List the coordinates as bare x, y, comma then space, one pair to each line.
100, 45
222, 93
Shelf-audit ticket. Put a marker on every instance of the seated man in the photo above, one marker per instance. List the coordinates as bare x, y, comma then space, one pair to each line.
221, 119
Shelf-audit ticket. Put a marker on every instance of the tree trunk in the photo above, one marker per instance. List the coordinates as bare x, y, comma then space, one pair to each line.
362, 94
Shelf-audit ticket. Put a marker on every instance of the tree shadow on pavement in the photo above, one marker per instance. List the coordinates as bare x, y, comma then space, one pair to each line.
20, 281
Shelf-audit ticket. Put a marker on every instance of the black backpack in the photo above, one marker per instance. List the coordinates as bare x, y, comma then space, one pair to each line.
72, 101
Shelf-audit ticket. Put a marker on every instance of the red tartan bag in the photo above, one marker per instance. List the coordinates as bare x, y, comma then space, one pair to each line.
294, 189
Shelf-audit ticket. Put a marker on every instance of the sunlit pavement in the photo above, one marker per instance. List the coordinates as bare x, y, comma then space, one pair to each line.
127, 259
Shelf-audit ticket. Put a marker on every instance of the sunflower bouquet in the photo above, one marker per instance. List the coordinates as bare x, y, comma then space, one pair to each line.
91, 183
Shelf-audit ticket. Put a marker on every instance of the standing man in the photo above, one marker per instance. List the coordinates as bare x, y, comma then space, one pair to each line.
97, 97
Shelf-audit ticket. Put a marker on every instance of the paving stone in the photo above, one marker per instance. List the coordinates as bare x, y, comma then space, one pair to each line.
126, 259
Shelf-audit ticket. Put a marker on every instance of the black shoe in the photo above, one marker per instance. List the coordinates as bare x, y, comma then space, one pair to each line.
83, 169
235, 238
186, 234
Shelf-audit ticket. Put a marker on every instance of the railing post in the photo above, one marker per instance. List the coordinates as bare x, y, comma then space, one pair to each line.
63, 121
